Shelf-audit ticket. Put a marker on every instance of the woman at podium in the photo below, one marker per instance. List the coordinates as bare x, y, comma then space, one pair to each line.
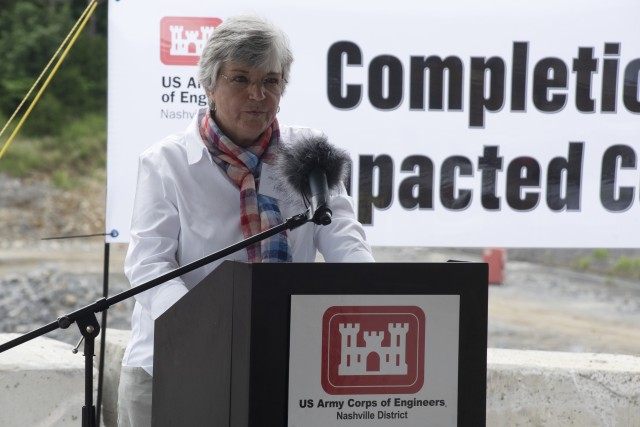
211, 186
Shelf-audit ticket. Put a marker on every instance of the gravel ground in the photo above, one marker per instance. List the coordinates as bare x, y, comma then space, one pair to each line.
34, 209
41, 280
542, 304
33, 299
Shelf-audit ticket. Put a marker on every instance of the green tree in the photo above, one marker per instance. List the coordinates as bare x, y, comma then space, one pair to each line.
64, 137
30, 33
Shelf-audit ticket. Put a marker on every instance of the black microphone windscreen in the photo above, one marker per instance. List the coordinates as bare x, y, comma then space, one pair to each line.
296, 161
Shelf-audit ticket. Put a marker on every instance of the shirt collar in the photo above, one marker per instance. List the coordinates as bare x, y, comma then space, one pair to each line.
195, 146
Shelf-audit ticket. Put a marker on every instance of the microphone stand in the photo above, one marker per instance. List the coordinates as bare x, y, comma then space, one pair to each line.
87, 322
105, 293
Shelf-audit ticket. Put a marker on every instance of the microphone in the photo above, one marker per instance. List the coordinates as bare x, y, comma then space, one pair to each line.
312, 167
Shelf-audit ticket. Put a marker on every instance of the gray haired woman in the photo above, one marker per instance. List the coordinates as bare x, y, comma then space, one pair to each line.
198, 191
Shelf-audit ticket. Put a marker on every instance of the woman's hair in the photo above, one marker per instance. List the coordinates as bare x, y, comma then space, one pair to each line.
249, 40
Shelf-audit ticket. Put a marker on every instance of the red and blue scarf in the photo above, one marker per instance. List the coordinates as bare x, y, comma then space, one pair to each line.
257, 211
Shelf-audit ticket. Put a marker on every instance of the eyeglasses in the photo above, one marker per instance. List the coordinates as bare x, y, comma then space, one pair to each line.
242, 82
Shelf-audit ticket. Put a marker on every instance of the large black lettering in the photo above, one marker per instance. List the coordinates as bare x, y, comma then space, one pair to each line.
478, 102
391, 67
612, 197
368, 196
436, 67
571, 169
490, 163
584, 66
417, 191
549, 73
523, 172
338, 52
630, 93
519, 76
451, 197
550, 87
610, 77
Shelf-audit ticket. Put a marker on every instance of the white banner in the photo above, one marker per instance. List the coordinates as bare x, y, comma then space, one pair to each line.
469, 123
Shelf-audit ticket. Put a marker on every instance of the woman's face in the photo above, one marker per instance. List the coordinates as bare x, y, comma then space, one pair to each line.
246, 101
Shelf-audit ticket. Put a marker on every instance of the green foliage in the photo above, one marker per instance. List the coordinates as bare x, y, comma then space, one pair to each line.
30, 34
603, 262
601, 254
65, 133
583, 263
627, 267
61, 179
78, 151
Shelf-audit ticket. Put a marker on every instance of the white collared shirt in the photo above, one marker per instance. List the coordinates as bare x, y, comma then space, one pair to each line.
187, 208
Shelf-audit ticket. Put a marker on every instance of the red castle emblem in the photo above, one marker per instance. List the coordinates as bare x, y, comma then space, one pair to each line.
182, 39
373, 350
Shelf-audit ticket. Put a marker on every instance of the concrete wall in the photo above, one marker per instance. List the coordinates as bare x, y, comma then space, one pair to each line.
543, 388
42, 384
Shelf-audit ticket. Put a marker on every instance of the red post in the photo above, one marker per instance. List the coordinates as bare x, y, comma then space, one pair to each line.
496, 260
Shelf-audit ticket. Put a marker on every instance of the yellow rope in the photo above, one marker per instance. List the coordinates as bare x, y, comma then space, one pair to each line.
79, 25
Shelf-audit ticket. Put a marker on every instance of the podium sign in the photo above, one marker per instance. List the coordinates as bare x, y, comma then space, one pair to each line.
370, 360
321, 344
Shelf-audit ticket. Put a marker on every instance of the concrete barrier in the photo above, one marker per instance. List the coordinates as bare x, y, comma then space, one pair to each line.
545, 388
524, 388
41, 384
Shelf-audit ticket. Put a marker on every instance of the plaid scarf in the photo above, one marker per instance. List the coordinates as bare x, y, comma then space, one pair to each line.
257, 211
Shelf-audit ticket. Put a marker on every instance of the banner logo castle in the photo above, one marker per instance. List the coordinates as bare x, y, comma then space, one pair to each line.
182, 39
373, 358
190, 42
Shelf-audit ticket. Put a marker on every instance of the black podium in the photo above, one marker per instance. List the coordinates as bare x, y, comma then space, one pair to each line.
222, 352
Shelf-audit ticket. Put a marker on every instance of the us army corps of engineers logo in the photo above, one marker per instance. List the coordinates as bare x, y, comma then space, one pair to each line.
373, 349
183, 38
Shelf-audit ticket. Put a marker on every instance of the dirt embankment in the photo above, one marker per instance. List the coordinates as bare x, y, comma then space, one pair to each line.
33, 209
